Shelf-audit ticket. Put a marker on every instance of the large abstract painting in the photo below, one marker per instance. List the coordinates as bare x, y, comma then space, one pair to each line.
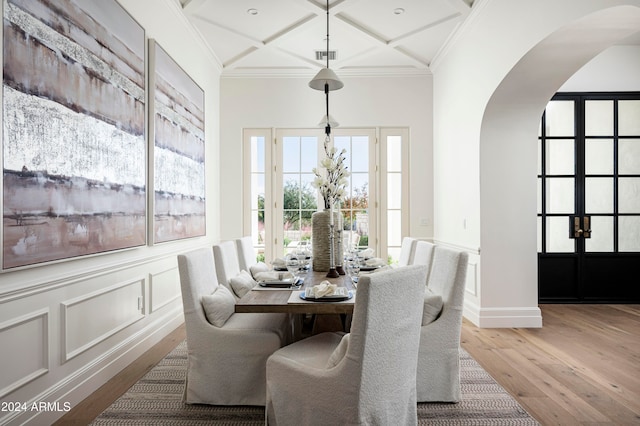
179, 151
74, 146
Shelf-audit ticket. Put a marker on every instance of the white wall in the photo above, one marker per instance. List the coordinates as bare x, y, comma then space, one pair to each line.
290, 103
67, 327
491, 84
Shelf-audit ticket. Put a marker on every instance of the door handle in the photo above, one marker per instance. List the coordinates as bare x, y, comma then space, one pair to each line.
586, 222
576, 225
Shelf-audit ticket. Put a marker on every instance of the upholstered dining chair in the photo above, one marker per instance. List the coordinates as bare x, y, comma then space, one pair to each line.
438, 376
423, 254
247, 258
227, 352
365, 377
227, 264
407, 250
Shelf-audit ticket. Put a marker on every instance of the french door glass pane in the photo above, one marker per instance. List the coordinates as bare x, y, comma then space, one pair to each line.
257, 191
598, 118
560, 157
601, 235
559, 118
394, 154
291, 154
557, 235
598, 156
257, 154
629, 156
629, 195
560, 195
629, 233
394, 231
394, 190
629, 118
355, 204
598, 195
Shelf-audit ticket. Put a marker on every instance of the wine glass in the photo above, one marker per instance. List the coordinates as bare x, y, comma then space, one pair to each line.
293, 266
353, 268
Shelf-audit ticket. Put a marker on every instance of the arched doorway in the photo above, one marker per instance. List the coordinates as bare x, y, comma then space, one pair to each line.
508, 142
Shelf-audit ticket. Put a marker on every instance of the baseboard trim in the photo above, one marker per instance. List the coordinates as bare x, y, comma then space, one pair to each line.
511, 317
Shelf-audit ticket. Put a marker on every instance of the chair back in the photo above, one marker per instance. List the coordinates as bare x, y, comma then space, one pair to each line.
423, 254
448, 275
197, 278
407, 251
226, 260
385, 338
246, 253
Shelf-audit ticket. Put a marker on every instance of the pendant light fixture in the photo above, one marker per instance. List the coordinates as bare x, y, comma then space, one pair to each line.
327, 80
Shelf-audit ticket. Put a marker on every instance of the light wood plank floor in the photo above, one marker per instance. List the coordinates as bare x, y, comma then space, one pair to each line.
581, 368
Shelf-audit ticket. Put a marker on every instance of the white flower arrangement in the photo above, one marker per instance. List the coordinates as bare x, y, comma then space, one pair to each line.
333, 182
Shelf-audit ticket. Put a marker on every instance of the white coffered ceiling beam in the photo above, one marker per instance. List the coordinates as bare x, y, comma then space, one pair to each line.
395, 41
190, 6
460, 6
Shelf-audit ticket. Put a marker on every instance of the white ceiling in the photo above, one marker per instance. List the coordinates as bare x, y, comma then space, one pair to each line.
284, 35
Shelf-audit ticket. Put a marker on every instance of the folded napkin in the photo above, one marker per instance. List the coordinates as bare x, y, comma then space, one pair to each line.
366, 253
273, 276
325, 288
375, 261
279, 263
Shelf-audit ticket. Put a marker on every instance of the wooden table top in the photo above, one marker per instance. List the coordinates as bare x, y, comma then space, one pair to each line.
277, 300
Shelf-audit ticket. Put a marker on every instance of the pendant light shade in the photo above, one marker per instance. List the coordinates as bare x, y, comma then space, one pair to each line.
326, 76
328, 120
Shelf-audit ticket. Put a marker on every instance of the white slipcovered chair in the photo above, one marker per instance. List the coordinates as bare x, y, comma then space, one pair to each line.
226, 362
438, 377
365, 377
407, 250
423, 254
227, 263
247, 258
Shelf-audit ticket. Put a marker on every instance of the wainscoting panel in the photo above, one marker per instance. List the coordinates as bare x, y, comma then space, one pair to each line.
164, 288
28, 338
89, 319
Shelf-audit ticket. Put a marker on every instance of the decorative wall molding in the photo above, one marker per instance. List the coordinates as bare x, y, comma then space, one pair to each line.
34, 351
88, 320
164, 288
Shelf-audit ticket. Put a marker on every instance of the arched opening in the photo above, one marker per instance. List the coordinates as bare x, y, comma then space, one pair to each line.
508, 149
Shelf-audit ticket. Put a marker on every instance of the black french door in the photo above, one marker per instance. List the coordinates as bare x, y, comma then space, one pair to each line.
589, 199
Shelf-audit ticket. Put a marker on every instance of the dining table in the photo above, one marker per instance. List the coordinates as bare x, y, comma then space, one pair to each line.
287, 300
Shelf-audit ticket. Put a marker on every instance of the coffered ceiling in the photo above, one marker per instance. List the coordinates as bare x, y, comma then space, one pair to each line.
281, 37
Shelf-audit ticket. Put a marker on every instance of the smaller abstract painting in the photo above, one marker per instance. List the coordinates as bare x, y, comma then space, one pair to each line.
178, 151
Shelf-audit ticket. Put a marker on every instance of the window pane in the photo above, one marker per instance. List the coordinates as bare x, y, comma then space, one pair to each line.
560, 195
559, 118
290, 154
560, 157
629, 118
394, 154
539, 239
629, 195
598, 195
394, 227
539, 198
598, 118
257, 190
629, 156
360, 154
599, 156
558, 240
309, 157
394, 190
629, 233
601, 235
257, 154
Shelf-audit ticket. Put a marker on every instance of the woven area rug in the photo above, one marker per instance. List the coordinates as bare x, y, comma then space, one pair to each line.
156, 399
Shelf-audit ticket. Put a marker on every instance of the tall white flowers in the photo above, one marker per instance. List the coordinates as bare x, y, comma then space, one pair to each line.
333, 182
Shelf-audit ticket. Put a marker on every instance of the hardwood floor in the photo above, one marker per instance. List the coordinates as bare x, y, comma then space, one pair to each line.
581, 368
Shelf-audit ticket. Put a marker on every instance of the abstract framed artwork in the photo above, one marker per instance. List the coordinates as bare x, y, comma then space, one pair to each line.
178, 150
74, 143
